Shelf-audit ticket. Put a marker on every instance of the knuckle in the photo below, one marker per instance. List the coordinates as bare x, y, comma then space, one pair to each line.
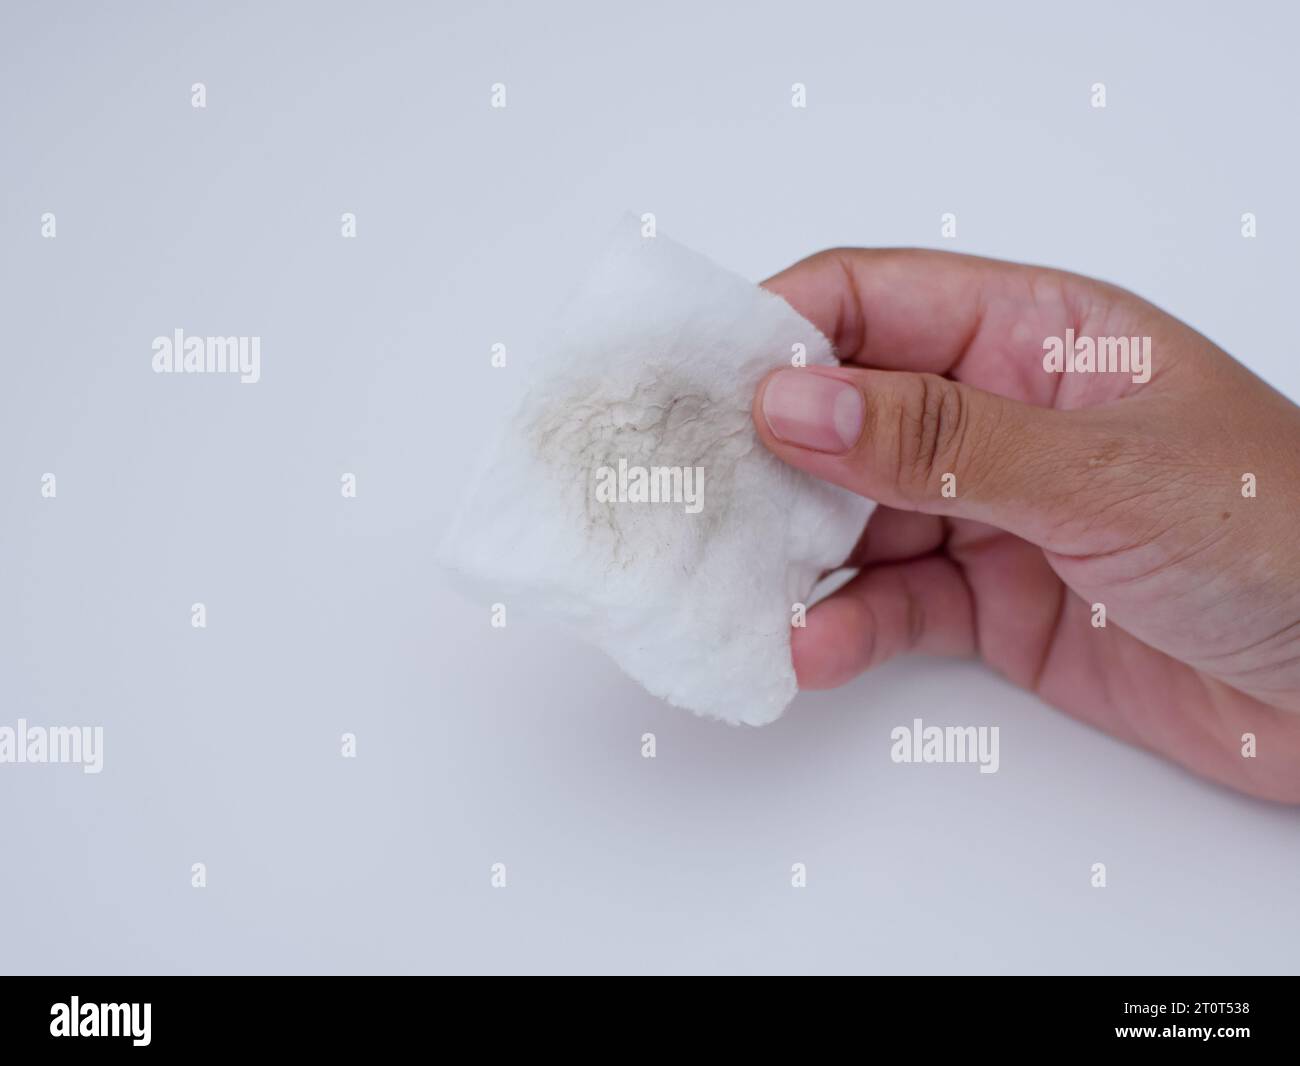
932, 415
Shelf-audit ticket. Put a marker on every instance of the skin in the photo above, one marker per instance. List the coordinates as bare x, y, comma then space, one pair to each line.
1071, 490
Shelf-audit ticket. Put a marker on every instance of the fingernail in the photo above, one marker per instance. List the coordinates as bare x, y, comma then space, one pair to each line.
811, 410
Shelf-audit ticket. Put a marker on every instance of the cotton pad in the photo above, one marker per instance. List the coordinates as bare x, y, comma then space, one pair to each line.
630, 496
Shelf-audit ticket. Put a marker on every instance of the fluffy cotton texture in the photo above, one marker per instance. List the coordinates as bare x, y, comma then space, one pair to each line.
656, 363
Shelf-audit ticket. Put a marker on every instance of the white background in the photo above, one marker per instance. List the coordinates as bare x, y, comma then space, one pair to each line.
327, 615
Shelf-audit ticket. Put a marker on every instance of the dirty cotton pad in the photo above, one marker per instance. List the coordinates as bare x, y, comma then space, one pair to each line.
630, 496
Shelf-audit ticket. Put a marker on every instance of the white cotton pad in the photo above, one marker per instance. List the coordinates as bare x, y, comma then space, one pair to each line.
645, 392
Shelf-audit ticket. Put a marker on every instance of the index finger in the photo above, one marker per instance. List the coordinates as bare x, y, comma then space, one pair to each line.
978, 320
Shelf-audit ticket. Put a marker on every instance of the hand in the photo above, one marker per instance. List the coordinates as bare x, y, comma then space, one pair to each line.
1067, 490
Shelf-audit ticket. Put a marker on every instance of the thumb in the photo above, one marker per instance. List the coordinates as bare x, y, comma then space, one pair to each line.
919, 442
